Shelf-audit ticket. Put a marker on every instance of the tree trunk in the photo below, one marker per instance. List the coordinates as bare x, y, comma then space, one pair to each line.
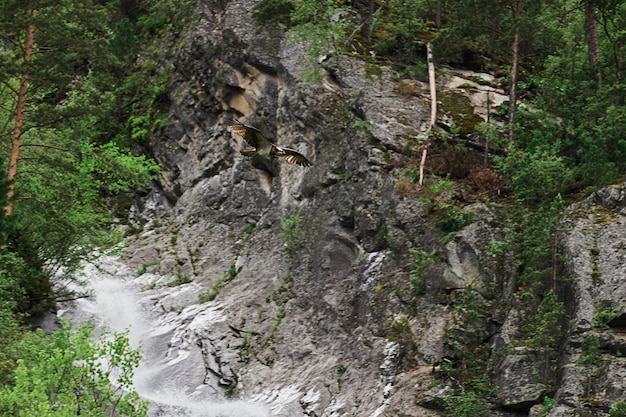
591, 35
433, 103
516, 7
19, 120
432, 83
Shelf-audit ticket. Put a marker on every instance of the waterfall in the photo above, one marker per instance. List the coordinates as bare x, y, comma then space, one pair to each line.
172, 374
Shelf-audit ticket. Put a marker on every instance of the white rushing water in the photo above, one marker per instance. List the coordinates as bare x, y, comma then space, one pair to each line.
171, 375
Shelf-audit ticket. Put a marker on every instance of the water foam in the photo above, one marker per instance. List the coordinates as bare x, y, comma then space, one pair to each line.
171, 374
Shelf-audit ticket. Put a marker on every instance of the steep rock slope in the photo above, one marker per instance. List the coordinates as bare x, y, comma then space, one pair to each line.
339, 319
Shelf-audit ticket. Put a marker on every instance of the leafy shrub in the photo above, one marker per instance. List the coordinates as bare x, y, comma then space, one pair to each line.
249, 227
400, 331
548, 403
467, 403
421, 260
397, 27
10, 334
383, 237
273, 11
65, 374
453, 218
618, 410
534, 177
545, 328
183, 279
292, 232
413, 173
591, 354
465, 338
533, 240
602, 318
211, 294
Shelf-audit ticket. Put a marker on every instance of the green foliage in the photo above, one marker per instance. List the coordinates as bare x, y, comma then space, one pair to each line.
490, 134
11, 296
116, 170
413, 173
399, 28
69, 373
453, 218
144, 267
496, 248
548, 403
547, 324
465, 339
441, 185
219, 284
400, 331
230, 389
74, 155
467, 403
591, 354
618, 409
249, 227
421, 260
280, 297
601, 318
324, 26
181, 280
213, 292
363, 124
279, 318
533, 239
273, 11
534, 177
162, 17
383, 237
292, 232
245, 350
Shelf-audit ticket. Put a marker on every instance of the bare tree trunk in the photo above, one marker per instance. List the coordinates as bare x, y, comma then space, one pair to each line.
432, 82
516, 7
19, 120
433, 103
591, 35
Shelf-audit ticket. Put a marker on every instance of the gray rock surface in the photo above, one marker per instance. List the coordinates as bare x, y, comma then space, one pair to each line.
307, 330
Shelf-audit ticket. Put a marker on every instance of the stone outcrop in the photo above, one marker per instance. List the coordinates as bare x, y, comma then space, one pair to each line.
334, 324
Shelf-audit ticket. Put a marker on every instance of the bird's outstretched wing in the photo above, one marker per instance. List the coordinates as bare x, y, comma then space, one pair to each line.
252, 136
264, 147
293, 157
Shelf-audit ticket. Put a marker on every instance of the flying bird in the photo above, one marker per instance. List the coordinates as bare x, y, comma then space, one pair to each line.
264, 147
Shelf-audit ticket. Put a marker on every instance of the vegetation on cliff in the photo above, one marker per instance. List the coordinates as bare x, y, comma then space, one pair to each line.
564, 60
82, 85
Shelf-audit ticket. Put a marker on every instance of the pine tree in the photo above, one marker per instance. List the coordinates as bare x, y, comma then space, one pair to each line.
55, 62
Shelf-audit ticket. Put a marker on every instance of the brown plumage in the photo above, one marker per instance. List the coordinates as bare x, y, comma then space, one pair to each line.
264, 147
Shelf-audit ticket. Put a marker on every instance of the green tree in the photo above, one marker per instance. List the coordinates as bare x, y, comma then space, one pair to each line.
52, 59
69, 373
467, 403
324, 26
292, 232
618, 409
547, 325
10, 331
465, 336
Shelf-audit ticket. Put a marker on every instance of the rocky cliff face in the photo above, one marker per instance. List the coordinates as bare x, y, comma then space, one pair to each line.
325, 309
